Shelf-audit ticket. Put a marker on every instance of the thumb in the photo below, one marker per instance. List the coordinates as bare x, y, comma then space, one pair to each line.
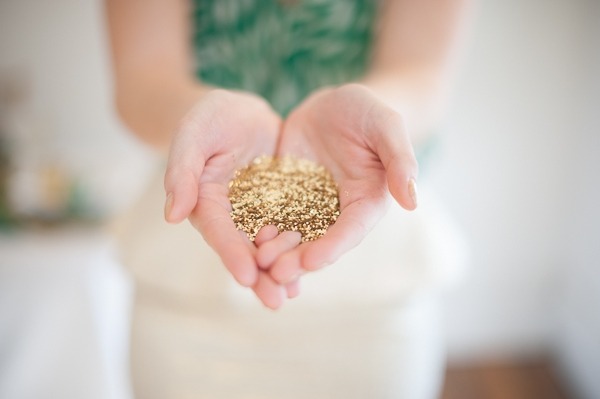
181, 186
184, 168
390, 140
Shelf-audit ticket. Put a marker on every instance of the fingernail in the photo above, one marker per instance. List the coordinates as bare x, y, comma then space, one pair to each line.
323, 264
316, 266
168, 205
290, 279
412, 191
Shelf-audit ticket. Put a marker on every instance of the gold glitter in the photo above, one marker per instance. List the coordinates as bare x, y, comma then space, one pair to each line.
290, 193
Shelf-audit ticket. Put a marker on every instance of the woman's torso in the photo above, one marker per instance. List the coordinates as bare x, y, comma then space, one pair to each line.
282, 50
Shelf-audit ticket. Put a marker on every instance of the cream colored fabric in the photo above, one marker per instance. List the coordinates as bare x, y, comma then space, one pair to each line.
365, 327
296, 353
406, 252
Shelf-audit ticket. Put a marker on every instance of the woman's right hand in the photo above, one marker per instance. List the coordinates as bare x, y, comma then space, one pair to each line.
223, 132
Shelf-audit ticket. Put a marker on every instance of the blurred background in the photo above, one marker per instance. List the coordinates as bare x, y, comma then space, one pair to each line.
518, 168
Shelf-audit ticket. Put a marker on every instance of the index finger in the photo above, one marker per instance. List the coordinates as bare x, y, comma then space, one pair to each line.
387, 135
212, 219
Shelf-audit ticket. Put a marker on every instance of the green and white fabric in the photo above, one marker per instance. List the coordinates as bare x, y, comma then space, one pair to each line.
282, 50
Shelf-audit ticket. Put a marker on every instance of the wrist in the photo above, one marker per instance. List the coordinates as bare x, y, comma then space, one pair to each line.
417, 94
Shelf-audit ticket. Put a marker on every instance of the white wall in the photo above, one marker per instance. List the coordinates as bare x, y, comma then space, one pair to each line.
507, 170
58, 48
577, 335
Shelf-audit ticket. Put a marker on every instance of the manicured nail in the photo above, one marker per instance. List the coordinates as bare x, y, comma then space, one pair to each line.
316, 266
323, 264
293, 290
291, 279
412, 191
168, 205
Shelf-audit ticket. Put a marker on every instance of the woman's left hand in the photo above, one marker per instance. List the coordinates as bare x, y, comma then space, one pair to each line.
364, 144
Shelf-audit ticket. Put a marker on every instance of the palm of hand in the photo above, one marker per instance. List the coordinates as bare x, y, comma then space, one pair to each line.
364, 145
236, 128
360, 140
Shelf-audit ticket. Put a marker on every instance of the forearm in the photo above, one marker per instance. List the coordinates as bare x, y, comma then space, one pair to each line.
418, 95
153, 110
416, 48
152, 65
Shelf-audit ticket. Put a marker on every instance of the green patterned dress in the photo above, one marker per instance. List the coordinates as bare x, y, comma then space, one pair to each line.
282, 50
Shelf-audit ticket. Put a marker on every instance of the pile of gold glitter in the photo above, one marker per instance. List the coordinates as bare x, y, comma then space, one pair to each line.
292, 194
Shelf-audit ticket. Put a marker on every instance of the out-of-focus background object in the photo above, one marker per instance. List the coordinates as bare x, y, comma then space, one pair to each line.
64, 157
518, 166
66, 166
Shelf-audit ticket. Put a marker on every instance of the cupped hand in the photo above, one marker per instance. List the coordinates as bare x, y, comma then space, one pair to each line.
222, 133
271, 293
364, 144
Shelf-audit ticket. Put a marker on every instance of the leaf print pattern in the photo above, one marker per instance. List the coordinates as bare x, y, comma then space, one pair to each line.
282, 50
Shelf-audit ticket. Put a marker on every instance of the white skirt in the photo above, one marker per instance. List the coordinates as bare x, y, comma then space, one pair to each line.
365, 327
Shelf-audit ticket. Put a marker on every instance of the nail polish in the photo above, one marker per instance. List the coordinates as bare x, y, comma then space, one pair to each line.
412, 191
168, 205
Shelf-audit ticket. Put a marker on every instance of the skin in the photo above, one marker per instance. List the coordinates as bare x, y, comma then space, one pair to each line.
365, 146
364, 132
